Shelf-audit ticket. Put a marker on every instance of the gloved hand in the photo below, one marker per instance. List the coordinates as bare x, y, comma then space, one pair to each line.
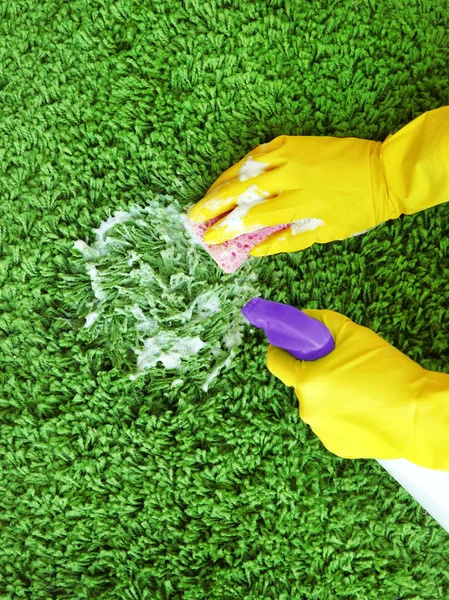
329, 188
368, 400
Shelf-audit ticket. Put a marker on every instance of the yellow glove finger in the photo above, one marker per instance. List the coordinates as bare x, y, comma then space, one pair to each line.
263, 154
287, 241
252, 174
259, 212
232, 176
226, 197
237, 192
351, 184
282, 365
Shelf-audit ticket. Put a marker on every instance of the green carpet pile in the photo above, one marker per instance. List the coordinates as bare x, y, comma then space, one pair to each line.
145, 450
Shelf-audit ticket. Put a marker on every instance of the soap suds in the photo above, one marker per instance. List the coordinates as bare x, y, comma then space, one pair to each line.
224, 364
95, 282
81, 246
304, 225
90, 319
208, 304
143, 323
168, 349
117, 218
133, 257
361, 232
251, 168
156, 303
233, 222
233, 337
244, 201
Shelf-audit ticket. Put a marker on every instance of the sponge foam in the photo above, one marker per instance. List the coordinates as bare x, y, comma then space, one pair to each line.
230, 255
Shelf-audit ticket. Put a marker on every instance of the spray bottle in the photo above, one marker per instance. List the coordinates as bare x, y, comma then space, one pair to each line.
289, 328
308, 339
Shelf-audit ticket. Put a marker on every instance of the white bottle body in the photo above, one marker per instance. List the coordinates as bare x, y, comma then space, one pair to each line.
428, 487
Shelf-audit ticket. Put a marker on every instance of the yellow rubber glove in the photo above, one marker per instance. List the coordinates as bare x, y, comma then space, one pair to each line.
368, 400
329, 188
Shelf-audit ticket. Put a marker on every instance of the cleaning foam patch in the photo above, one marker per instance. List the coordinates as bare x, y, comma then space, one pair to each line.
153, 294
169, 349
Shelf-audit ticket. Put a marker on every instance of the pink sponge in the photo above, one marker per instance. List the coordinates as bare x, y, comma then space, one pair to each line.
230, 255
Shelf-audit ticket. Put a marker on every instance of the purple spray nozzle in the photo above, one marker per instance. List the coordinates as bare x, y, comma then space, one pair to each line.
289, 328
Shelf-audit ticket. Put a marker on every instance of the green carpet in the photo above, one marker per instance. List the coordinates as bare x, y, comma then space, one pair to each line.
124, 480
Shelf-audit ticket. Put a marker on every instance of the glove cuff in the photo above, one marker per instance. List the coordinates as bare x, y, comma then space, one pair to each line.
415, 163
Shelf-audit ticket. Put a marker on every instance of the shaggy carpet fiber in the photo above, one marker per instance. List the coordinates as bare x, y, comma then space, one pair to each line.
145, 450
